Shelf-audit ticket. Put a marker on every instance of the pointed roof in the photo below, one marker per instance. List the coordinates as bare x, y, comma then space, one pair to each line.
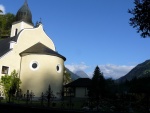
39, 48
24, 14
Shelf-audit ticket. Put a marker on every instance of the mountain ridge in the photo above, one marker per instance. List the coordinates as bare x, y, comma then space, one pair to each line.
77, 74
138, 71
81, 73
73, 75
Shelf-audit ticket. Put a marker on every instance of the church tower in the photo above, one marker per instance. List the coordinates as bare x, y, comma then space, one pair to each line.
24, 14
31, 52
23, 19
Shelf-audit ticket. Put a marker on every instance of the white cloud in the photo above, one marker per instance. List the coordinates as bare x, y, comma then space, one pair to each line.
75, 67
2, 8
108, 70
114, 71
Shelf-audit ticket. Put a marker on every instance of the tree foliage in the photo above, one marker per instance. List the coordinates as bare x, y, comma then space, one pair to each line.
49, 95
10, 83
141, 85
67, 77
141, 17
97, 84
6, 23
1, 11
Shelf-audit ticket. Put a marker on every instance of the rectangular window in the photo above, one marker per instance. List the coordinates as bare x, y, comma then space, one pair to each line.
5, 70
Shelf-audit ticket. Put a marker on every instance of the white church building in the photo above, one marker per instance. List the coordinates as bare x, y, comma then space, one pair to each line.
33, 55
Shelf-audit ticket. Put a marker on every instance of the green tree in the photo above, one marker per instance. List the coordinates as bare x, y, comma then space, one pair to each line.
49, 95
67, 77
142, 86
97, 88
1, 11
141, 17
111, 87
11, 84
42, 98
6, 23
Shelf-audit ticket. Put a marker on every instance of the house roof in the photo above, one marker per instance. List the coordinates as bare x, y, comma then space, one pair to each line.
80, 82
4, 46
39, 48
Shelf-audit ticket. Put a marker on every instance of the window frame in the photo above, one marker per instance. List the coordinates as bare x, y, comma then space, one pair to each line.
31, 65
5, 68
59, 69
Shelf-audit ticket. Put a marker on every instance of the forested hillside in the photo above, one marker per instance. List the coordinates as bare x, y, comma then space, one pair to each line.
139, 71
5, 24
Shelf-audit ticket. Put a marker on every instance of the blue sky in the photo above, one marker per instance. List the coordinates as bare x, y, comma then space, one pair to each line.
90, 33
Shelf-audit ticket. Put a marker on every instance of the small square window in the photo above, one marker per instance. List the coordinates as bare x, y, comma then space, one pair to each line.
5, 69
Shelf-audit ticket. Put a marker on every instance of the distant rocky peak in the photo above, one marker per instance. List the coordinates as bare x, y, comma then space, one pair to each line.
81, 73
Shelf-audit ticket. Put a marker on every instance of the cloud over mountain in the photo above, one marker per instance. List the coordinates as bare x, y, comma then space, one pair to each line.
109, 70
75, 67
115, 71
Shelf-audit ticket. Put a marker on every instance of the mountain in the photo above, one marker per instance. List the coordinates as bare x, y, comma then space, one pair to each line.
141, 70
82, 74
73, 75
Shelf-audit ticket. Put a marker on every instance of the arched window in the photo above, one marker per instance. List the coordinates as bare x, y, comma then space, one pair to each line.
16, 32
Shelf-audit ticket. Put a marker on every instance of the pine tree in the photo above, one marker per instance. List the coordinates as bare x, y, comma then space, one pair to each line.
49, 95
97, 88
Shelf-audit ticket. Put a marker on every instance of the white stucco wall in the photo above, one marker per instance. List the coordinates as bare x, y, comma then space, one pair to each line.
81, 92
10, 59
38, 80
19, 26
26, 39
29, 37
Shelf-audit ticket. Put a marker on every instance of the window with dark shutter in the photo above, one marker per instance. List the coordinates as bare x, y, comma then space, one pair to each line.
5, 70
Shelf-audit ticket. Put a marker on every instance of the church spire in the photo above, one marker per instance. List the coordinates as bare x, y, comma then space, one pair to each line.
24, 13
26, 2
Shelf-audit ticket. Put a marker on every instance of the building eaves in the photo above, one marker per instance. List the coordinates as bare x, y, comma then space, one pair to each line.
80, 82
22, 21
39, 48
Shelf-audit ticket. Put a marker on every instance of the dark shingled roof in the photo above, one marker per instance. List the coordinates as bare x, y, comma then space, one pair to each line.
39, 48
24, 14
4, 46
80, 82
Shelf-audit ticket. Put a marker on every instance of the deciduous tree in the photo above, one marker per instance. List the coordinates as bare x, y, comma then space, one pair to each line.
6, 23
11, 84
67, 77
1, 11
141, 17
